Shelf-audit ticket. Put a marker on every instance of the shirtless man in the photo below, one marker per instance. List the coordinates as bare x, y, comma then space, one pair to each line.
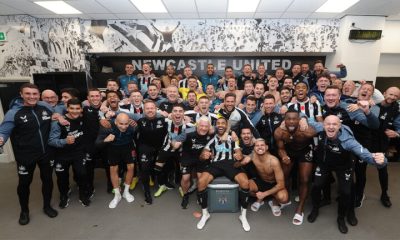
232, 88
296, 145
266, 178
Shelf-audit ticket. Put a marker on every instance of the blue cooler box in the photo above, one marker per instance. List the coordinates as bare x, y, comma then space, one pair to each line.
223, 195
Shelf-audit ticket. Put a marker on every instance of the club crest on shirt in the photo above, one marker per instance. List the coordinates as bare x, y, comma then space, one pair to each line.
24, 118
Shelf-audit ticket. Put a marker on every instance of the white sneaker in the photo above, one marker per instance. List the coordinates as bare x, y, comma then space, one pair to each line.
129, 197
245, 223
115, 201
203, 220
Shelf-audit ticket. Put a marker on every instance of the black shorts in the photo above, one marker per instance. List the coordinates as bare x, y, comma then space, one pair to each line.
146, 153
117, 155
304, 155
263, 185
223, 168
165, 156
195, 166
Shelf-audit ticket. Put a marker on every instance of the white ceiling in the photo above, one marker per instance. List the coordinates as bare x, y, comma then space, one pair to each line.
194, 9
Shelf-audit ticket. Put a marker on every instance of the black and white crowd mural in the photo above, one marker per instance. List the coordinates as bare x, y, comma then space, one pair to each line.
234, 35
40, 45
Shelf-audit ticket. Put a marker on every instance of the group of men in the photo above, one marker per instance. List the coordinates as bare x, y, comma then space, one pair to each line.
269, 133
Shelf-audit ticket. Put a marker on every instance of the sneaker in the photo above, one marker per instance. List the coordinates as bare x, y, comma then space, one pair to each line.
313, 215
128, 197
160, 190
385, 200
135, 180
50, 212
203, 220
115, 201
147, 198
23, 218
85, 202
185, 201
151, 183
359, 201
64, 202
181, 191
170, 186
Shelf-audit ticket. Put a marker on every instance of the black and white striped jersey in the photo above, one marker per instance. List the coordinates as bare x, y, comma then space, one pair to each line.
194, 116
311, 110
222, 150
184, 83
173, 132
144, 82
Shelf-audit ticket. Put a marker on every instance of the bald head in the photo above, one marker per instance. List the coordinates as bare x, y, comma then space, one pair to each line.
332, 126
50, 97
391, 95
122, 121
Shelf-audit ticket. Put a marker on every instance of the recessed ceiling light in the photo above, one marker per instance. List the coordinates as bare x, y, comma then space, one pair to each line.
242, 5
150, 6
59, 7
336, 6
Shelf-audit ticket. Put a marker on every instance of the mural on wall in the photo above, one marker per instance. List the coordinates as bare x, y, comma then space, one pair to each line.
39, 45
233, 35
48, 45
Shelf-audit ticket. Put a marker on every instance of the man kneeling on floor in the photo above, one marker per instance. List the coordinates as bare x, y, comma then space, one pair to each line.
266, 178
223, 155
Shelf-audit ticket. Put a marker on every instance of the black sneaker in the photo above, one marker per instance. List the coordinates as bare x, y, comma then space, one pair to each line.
50, 212
385, 200
147, 198
342, 225
85, 202
313, 215
23, 218
170, 185
185, 201
351, 218
64, 202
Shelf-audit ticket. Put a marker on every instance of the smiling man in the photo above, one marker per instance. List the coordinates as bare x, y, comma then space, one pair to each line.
29, 127
295, 145
222, 157
335, 146
267, 178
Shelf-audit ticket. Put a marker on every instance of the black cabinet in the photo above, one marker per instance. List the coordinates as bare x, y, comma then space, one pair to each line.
59, 80
99, 80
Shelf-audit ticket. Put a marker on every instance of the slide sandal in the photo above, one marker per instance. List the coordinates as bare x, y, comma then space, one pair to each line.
276, 210
298, 219
256, 206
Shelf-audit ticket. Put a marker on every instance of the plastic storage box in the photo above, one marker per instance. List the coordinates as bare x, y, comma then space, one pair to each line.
223, 195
